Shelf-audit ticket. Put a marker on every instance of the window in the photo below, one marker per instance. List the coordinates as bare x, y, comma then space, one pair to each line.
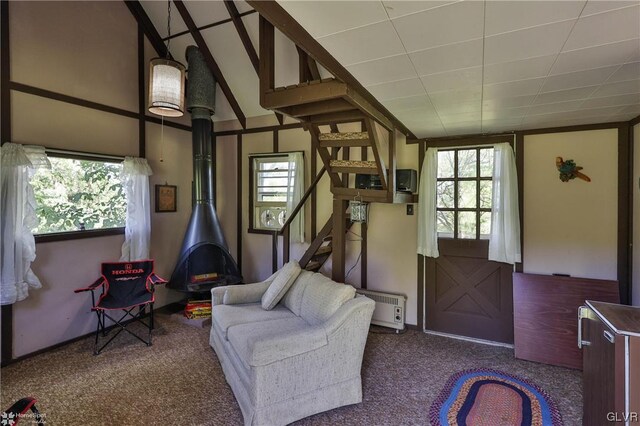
464, 189
273, 181
79, 194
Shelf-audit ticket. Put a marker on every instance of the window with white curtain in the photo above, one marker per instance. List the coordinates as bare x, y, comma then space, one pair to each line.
463, 196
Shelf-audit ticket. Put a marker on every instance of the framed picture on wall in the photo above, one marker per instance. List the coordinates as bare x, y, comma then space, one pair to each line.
166, 196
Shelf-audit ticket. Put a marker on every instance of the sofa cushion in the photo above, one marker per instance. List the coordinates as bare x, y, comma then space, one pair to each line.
280, 284
322, 297
263, 343
293, 298
225, 316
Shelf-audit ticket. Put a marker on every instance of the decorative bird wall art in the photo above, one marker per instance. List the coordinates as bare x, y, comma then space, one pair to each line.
569, 170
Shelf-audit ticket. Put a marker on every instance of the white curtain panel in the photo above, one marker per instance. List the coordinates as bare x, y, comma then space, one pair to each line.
135, 179
504, 243
295, 183
18, 218
427, 224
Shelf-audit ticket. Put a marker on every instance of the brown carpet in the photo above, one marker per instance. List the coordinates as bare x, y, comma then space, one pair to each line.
178, 381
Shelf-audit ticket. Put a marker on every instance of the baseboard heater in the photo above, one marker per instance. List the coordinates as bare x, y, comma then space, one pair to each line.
390, 308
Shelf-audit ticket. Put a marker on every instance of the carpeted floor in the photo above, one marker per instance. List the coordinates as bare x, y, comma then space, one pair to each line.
178, 381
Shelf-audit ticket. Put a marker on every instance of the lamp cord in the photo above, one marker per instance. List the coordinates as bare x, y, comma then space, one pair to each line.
162, 138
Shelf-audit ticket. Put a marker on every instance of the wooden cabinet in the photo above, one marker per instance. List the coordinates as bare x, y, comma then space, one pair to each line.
609, 336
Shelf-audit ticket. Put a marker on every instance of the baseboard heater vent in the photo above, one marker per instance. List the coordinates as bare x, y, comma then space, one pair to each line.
390, 308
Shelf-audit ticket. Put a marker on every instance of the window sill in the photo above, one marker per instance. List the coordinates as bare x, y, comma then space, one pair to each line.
262, 231
76, 235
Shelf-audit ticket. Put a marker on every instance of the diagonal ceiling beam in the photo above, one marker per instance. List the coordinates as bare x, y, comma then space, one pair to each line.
246, 41
284, 22
149, 30
211, 62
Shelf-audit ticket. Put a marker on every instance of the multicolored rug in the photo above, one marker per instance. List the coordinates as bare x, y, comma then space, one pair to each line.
491, 397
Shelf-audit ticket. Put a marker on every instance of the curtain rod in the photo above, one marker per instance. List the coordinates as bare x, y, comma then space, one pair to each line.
84, 154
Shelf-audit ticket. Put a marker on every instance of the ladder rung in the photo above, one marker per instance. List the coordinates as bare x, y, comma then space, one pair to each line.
344, 142
313, 266
324, 250
344, 135
354, 166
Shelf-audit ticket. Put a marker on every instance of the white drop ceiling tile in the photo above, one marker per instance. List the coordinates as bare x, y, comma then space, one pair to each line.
157, 12
453, 79
595, 57
448, 24
461, 108
607, 27
504, 16
447, 58
527, 43
453, 97
449, 119
629, 71
321, 18
419, 119
513, 88
385, 70
464, 128
555, 107
619, 100
363, 44
577, 79
565, 95
204, 12
619, 88
500, 125
398, 8
581, 113
223, 109
422, 130
418, 102
396, 89
631, 109
504, 113
507, 102
518, 70
599, 6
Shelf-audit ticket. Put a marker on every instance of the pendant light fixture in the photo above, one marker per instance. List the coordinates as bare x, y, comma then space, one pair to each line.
166, 81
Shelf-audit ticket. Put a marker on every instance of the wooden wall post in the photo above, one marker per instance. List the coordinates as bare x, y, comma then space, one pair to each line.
339, 239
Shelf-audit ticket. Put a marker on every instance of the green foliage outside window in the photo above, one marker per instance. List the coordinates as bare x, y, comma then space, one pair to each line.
79, 194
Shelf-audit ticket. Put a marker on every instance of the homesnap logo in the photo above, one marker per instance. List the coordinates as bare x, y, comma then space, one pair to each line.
8, 419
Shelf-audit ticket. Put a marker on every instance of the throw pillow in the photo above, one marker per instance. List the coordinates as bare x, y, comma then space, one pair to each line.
280, 285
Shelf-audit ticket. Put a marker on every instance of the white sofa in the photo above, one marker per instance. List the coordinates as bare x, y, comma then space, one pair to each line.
301, 358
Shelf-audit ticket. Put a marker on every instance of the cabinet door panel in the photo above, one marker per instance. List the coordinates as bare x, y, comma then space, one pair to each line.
598, 372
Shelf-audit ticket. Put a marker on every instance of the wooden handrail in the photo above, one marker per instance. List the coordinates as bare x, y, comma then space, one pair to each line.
302, 201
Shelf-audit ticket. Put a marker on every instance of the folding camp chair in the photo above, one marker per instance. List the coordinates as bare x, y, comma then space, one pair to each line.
126, 286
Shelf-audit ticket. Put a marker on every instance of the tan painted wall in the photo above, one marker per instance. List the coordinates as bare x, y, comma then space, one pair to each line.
635, 184
571, 227
71, 39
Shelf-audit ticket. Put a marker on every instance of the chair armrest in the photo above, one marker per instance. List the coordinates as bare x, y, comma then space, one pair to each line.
359, 303
97, 283
156, 280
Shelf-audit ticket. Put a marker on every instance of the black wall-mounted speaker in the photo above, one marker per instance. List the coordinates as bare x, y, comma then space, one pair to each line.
406, 181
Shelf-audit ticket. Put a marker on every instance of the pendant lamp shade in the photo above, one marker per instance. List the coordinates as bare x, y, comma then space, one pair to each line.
166, 87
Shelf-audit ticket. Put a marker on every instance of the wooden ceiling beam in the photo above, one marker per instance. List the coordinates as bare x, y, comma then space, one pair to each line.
284, 22
149, 30
246, 41
211, 62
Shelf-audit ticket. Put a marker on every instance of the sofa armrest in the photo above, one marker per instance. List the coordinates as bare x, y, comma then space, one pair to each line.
350, 307
238, 294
